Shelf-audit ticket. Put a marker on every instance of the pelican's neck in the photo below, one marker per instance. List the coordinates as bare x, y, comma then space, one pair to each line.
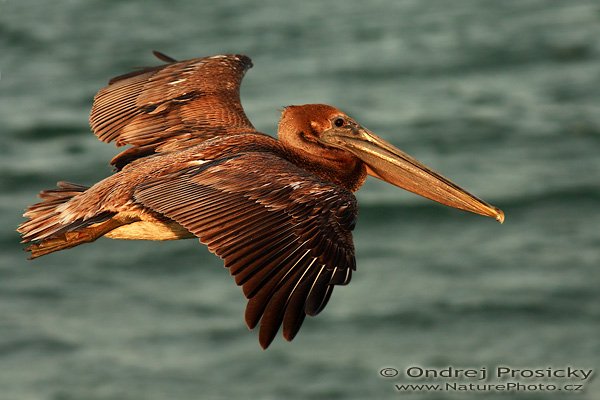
347, 172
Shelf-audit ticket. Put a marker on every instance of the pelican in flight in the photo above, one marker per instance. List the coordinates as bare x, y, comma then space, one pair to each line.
279, 212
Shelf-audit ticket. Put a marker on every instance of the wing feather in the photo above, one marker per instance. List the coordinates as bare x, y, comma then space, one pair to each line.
180, 103
284, 234
274, 311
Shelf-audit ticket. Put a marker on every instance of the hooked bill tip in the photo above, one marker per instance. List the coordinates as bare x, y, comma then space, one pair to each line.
499, 215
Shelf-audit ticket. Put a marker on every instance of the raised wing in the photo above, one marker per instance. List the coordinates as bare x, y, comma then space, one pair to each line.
284, 235
171, 106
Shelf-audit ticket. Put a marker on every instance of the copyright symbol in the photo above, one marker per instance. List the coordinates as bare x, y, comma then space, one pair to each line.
388, 372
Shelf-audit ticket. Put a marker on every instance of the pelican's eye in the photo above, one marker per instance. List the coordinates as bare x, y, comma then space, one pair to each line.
339, 122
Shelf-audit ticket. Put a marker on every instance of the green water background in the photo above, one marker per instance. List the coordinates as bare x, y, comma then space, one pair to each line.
501, 96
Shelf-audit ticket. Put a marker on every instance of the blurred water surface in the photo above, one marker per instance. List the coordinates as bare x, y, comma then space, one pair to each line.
501, 96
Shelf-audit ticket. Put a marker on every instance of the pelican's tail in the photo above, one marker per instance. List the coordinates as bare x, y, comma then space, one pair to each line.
46, 231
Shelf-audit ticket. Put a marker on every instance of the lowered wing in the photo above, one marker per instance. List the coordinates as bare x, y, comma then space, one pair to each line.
284, 235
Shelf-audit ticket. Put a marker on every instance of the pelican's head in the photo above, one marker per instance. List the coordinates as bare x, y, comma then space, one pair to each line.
332, 136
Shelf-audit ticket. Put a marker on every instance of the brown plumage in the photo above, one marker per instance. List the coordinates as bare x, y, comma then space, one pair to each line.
278, 212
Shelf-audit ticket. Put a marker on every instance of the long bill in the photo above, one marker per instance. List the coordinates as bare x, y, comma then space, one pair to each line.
392, 165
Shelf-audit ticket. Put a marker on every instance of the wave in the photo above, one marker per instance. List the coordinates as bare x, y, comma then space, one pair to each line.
37, 344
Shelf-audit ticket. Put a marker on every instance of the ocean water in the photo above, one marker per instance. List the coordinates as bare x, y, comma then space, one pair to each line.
501, 96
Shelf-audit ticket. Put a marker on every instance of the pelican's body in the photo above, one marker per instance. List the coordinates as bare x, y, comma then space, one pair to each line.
278, 212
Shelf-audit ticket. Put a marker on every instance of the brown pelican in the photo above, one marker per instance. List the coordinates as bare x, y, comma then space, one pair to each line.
278, 212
